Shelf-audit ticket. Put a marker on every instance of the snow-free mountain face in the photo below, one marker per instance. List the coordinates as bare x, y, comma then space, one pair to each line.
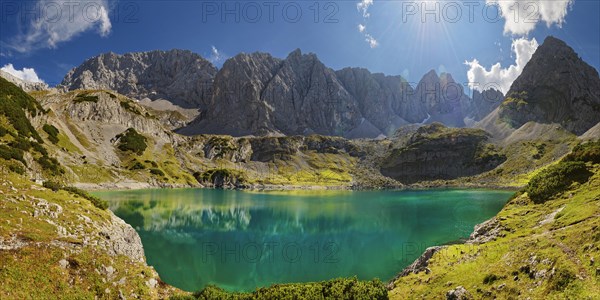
556, 86
258, 94
179, 76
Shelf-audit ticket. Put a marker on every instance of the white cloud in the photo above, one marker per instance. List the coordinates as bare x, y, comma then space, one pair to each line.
497, 77
216, 56
61, 21
373, 43
521, 16
405, 74
364, 7
27, 74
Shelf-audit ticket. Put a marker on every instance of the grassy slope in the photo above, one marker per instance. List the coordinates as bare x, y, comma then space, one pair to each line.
306, 168
40, 229
32, 269
559, 238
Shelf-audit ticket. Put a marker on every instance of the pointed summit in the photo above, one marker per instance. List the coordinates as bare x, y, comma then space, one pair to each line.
295, 53
556, 86
430, 77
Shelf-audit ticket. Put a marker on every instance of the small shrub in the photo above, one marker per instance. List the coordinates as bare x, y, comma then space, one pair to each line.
341, 288
158, 172
127, 106
97, 202
490, 278
17, 169
137, 166
21, 144
85, 97
586, 152
132, 141
561, 279
51, 165
152, 163
39, 148
555, 179
52, 133
52, 185
9, 153
3, 131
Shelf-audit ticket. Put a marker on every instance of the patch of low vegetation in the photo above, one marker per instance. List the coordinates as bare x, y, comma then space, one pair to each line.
132, 141
127, 105
136, 165
157, 172
56, 186
52, 133
8, 153
14, 102
586, 152
341, 288
51, 165
85, 97
551, 181
15, 168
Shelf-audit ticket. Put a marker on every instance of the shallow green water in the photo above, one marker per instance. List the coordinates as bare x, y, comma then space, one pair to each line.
241, 240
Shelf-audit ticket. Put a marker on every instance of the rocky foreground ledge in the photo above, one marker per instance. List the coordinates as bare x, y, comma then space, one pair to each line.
58, 245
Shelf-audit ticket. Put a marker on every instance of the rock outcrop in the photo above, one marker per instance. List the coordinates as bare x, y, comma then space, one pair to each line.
486, 231
556, 86
436, 152
179, 76
419, 265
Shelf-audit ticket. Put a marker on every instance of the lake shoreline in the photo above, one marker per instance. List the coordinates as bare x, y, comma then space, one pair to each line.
131, 185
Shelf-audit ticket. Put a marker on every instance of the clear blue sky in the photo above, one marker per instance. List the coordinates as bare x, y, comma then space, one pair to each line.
404, 44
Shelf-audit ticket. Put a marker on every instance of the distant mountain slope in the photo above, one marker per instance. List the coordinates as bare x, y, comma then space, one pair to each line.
258, 94
25, 85
180, 76
556, 86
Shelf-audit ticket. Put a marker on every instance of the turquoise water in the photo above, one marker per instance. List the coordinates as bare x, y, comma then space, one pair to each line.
241, 240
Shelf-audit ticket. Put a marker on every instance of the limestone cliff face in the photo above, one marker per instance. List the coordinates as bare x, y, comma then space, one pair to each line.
25, 85
556, 86
180, 76
258, 94
262, 95
436, 152
384, 100
484, 103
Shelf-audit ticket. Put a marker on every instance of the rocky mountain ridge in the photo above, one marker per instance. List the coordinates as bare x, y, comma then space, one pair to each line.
181, 76
258, 94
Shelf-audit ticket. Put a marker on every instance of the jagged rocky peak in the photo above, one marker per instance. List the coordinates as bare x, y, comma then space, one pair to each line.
262, 95
179, 76
556, 86
443, 99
